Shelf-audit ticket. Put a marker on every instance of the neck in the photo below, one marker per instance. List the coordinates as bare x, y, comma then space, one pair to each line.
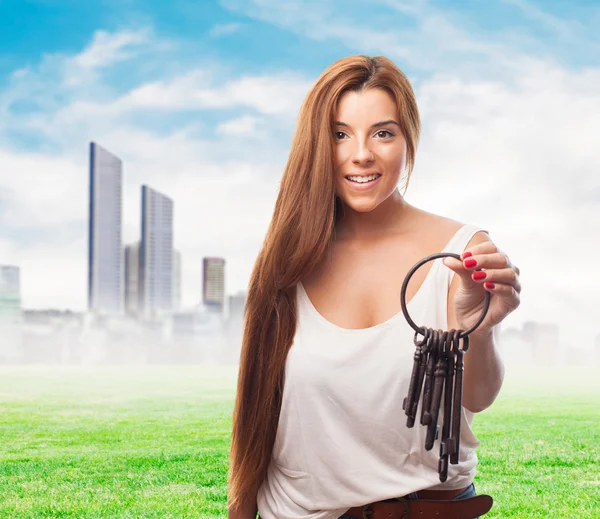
390, 217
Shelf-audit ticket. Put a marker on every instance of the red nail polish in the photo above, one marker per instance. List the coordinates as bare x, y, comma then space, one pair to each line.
467, 255
479, 275
470, 263
489, 285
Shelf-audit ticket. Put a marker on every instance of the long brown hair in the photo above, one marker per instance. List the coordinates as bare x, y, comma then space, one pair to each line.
297, 238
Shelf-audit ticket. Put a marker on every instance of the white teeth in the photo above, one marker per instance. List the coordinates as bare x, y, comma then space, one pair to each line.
363, 179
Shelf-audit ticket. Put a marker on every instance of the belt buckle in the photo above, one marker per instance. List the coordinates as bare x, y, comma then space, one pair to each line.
368, 511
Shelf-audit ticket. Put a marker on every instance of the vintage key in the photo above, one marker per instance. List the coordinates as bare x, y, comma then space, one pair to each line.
438, 388
421, 372
428, 386
449, 402
413, 389
446, 444
457, 400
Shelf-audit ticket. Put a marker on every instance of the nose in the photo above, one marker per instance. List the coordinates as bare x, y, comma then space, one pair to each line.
362, 154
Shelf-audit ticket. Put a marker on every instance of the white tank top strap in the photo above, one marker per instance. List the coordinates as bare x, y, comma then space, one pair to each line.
458, 244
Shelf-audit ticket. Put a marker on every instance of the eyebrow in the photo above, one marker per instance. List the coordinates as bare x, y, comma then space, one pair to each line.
376, 125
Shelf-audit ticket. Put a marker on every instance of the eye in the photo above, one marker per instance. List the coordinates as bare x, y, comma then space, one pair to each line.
339, 135
386, 133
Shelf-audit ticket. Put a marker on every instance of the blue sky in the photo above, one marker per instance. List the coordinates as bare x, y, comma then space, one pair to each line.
248, 36
199, 99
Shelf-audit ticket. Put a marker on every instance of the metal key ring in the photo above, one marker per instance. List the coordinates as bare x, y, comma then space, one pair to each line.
421, 329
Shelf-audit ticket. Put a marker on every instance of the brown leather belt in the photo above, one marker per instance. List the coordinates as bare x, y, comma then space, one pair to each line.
403, 508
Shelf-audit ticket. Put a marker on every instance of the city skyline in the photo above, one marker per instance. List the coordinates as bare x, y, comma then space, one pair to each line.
506, 95
149, 272
142, 279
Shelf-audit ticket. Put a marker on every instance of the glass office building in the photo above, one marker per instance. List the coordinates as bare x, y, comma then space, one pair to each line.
105, 252
132, 279
176, 280
213, 286
156, 254
10, 294
10, 312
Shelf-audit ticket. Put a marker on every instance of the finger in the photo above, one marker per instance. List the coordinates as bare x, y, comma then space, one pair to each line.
507, 292
496, 260
459, 269
453, 263
506, 276
486, 247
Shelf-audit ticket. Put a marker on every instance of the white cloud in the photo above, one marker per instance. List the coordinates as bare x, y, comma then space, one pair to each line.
245, 125
271, 94
514, 154
37, 184
560, 27
109, 48
418, 35
275, 95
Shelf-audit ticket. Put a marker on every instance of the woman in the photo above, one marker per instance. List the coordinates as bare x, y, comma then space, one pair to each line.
318, 426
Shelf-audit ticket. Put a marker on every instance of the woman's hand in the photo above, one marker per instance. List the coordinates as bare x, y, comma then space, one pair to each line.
499, 277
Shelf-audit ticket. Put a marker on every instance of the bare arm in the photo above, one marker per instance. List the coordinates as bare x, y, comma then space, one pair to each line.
484, 368
484, 371
247, 510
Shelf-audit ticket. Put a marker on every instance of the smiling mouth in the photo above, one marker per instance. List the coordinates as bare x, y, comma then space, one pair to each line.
362, 179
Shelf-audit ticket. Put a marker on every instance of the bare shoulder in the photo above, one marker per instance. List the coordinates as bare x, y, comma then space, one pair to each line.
441, 228
436, 228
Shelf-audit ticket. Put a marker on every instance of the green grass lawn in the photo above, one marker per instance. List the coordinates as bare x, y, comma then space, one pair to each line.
153, 442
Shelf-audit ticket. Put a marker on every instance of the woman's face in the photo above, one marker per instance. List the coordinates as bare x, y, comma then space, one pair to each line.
368, 144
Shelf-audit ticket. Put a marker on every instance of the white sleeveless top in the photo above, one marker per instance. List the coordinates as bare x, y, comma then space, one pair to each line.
342, 438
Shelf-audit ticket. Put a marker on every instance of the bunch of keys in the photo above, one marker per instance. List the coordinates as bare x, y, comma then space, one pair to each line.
438, 361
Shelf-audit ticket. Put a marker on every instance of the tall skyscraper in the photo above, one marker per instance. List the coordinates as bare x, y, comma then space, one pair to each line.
544, 340
234, 328
213, 287
176, 280
10, 312
10, 293
105, 253
237, 306
132, 279
156, 253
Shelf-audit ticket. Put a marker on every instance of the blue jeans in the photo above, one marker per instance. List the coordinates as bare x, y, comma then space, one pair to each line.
465, 494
